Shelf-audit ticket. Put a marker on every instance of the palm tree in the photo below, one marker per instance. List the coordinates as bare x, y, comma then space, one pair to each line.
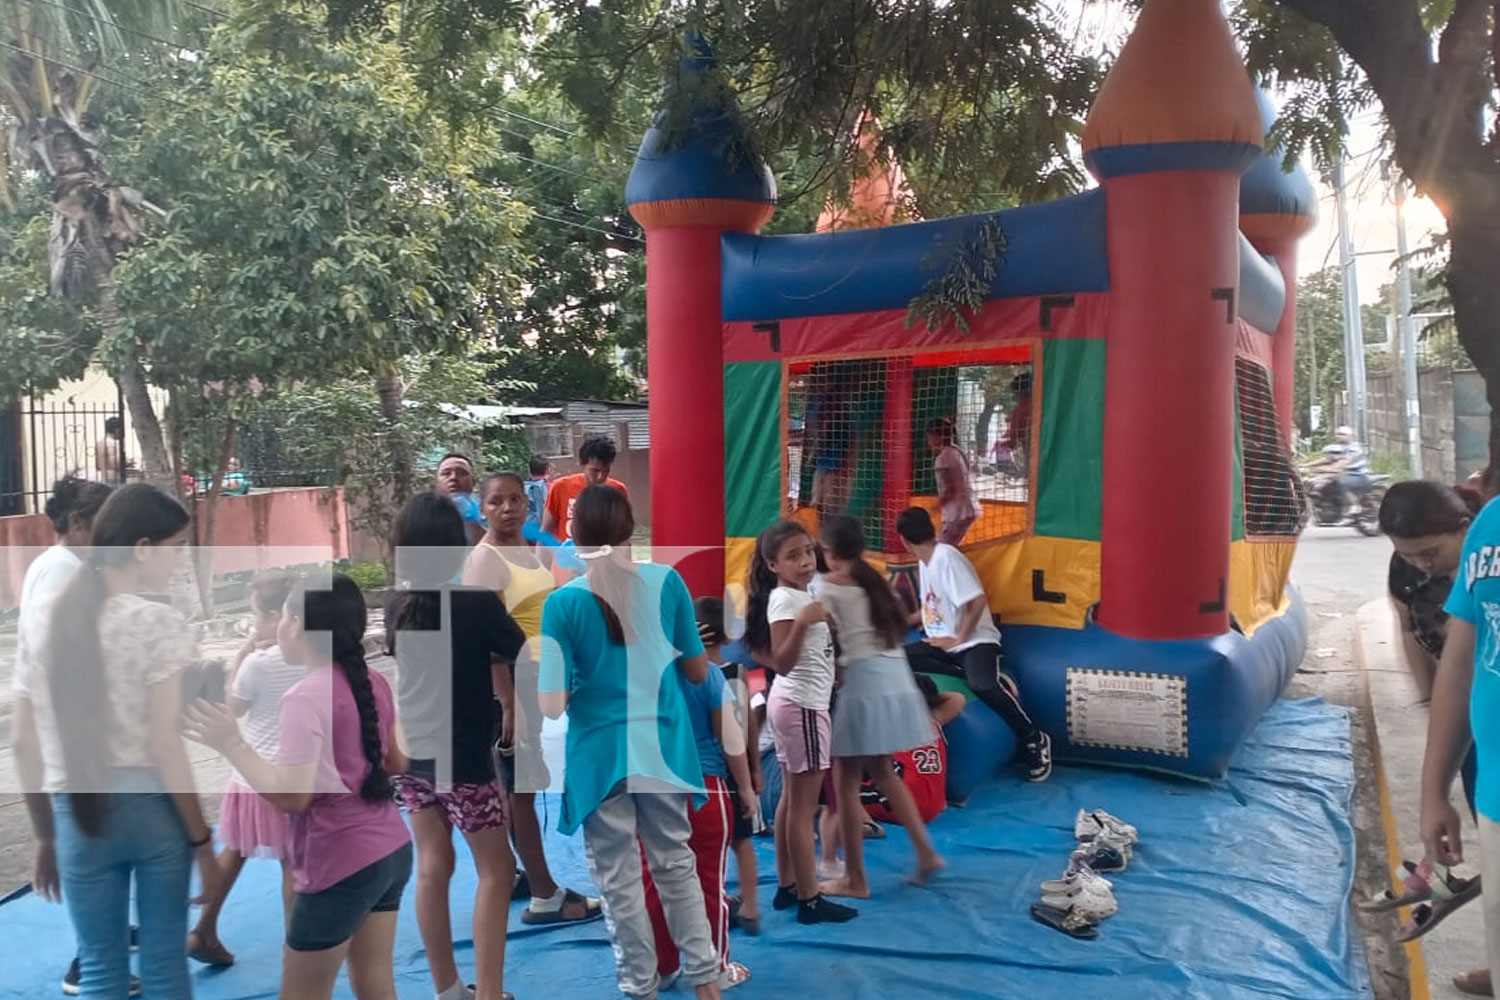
54, 54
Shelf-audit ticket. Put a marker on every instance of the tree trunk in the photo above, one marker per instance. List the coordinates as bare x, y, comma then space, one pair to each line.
1474, 246
388, 388
204, 553
982, 429
155, 464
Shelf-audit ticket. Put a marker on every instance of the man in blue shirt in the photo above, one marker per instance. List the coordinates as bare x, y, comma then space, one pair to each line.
1465, 706
536, 490
455, 480
1345, 462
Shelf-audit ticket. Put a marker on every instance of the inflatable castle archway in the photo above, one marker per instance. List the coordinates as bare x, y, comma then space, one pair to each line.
1137, 533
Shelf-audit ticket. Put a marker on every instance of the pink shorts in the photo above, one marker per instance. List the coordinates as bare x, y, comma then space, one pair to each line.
802, 735
470, 808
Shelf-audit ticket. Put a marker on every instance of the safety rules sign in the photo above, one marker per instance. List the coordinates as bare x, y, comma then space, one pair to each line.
1122, 710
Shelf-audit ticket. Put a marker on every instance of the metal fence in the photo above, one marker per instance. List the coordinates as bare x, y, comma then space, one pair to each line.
271, 450
43, 441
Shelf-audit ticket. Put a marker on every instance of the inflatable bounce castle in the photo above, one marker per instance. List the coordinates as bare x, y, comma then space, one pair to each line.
1123, 395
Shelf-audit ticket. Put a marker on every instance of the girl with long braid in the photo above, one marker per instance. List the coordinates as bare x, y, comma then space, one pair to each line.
349, 852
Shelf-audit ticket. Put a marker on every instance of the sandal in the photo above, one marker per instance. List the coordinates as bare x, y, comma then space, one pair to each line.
1070, 922
873, 830
1426, 916
506, 995
575, 908
1416, 887
734, 975
1475, 983
214, 955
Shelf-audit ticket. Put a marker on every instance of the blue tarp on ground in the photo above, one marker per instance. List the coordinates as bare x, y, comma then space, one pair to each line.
1239, 890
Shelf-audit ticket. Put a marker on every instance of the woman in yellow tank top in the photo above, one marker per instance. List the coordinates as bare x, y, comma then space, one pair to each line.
505, 563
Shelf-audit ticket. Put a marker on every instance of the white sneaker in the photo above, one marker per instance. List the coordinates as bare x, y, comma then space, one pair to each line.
830, 871
1091, 899
1077, 874
1093, 823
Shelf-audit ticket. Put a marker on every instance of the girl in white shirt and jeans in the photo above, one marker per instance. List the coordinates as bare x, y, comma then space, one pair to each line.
110, 745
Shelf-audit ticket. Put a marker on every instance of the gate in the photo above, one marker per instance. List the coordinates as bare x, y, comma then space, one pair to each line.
42, 441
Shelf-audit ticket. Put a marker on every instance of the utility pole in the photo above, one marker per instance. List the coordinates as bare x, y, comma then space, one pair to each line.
1410, 391
1354, 335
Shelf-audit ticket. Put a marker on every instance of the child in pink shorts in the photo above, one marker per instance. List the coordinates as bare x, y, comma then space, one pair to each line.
788, 631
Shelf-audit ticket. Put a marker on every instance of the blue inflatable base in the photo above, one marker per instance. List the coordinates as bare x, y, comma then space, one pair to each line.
979, 745
1180, 706
1238, 891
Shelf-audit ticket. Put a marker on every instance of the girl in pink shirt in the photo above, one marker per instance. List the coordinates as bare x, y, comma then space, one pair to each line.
349, 852
955, 486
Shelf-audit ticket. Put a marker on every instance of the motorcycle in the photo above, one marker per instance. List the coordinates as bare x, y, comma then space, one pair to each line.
1327, 507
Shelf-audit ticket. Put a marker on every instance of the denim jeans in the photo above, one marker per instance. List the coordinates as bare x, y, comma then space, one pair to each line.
143, 842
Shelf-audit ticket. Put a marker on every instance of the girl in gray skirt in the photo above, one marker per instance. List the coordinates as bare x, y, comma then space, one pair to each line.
879, 711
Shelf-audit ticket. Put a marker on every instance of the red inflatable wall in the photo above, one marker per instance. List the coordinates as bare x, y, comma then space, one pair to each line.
1169, 404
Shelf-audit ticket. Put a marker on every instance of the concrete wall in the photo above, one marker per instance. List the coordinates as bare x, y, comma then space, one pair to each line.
256, 531
1455, 421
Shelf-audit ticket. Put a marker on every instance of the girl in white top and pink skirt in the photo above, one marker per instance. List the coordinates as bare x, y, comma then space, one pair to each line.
249, 826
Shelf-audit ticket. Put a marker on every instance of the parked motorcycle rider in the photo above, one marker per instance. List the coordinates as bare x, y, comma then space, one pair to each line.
1345, 464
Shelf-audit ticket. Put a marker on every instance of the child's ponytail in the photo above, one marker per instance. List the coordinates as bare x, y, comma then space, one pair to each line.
845, 538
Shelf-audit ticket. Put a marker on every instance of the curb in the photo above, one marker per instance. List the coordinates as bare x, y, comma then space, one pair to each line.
1398, 739
1418, 978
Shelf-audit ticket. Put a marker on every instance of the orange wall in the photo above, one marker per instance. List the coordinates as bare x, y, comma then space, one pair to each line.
22, 539
311, 524
260, 530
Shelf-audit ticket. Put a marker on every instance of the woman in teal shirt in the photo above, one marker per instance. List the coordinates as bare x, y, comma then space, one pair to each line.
609, 639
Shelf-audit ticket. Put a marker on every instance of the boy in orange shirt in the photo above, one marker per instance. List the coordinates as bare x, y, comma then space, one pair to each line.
596, 455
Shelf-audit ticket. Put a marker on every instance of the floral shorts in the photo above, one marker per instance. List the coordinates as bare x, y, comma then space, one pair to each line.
470, 808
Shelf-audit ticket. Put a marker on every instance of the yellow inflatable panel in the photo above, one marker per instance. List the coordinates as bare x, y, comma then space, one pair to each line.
1258, 574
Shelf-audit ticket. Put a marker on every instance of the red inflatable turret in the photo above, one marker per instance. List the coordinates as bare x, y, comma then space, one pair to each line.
1173, 128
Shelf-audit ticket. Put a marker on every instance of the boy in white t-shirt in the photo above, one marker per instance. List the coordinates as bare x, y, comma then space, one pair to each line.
961, 637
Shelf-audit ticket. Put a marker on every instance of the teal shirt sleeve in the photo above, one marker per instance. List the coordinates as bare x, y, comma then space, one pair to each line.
1460, 603
556, 668
681, 624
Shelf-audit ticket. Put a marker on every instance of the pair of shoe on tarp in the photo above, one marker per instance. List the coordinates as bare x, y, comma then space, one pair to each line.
1076, 903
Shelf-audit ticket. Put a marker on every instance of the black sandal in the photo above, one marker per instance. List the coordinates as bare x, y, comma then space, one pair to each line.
1070, 921
575, 908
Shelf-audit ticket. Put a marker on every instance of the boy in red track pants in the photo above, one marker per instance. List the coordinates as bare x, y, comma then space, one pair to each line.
721, 752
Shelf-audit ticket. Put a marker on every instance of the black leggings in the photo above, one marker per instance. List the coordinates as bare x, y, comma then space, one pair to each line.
979, 666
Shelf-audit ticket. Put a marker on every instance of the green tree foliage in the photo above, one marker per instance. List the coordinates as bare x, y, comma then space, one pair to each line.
1319, 363
584, 274
45, 338
1431, 65
319, 221
51, 58
322, 227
